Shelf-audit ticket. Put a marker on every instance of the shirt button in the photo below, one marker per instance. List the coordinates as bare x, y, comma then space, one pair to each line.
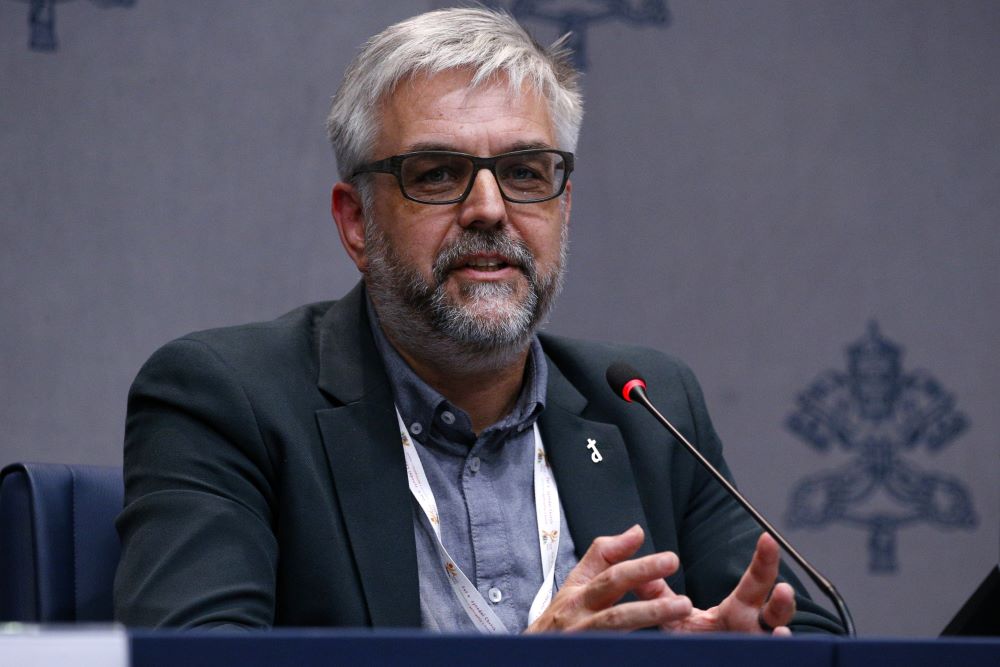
495, 595
447, 417
416, 428
474, 464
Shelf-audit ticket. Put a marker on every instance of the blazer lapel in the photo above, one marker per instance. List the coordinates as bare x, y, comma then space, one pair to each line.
598, 497
366, 460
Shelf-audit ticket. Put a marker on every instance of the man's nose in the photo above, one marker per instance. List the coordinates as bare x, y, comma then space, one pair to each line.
485, 206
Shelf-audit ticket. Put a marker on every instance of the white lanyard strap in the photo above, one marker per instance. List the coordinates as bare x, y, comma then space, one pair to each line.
548, 519
547, 516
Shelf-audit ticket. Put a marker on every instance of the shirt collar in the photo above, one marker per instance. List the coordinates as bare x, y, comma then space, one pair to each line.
425, 410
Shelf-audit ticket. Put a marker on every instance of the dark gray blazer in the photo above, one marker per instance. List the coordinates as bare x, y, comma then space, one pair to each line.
265, 484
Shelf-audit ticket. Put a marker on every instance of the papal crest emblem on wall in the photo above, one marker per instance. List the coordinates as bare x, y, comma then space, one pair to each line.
578, 16
42, 21
879, 414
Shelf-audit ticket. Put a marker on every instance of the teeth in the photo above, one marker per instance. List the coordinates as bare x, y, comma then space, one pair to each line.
483, 263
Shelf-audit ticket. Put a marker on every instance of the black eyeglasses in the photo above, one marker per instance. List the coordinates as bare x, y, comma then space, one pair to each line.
446, 177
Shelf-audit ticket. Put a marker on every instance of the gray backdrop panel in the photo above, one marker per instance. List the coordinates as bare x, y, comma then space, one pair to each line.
756, 182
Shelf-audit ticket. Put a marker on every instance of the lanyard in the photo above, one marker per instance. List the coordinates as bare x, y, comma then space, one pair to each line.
546, 514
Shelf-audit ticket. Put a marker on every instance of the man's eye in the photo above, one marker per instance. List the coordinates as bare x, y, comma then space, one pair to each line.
436, 175
522, 172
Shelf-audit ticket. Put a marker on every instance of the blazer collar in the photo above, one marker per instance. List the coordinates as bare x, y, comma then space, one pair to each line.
349, 364
598, 497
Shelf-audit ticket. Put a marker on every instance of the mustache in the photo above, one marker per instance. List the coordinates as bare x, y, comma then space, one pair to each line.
484, 241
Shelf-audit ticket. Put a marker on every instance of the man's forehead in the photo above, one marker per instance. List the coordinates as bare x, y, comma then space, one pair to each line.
464, 83
452, 102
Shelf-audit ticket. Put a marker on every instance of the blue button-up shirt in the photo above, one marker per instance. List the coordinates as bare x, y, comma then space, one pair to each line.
484, 489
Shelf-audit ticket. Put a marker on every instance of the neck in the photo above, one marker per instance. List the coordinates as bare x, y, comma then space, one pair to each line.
486, 394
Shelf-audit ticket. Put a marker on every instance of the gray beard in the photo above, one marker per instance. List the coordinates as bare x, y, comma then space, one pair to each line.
488, 329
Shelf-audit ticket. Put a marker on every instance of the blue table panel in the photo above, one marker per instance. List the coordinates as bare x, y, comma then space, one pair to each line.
918, 653
305, 648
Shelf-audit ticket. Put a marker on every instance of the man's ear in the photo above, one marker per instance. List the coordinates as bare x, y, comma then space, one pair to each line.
345, 205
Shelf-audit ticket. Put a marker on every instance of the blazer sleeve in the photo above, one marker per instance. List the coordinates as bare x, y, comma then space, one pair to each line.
198, 545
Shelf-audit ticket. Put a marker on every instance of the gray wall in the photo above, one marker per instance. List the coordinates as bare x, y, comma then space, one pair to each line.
756, 182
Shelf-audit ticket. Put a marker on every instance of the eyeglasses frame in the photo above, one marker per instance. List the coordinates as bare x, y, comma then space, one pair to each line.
394, 165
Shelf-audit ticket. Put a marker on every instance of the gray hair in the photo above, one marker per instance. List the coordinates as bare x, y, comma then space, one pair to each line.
487, 42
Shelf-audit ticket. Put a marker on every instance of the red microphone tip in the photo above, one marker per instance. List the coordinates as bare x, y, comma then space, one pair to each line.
629, 386
623, 379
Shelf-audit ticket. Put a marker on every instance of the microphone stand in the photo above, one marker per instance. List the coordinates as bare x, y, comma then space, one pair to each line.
638, 393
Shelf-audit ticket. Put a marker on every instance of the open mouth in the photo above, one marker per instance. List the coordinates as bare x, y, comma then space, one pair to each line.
483, 264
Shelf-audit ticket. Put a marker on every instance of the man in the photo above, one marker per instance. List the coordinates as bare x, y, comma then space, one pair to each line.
413, 454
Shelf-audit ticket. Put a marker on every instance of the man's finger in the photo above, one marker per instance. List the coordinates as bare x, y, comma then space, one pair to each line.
780, 608
653, 589
605, 552
610, 585
760, 576
636, 615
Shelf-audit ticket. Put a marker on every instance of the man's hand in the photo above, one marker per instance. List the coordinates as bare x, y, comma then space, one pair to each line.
755, 599
603, 576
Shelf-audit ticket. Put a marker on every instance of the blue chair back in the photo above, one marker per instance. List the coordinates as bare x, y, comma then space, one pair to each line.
58, 545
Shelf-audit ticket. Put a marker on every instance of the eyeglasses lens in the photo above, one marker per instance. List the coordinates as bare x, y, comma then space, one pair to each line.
435, 176
525, 176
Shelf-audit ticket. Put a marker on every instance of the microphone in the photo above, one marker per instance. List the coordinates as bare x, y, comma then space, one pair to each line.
627, 383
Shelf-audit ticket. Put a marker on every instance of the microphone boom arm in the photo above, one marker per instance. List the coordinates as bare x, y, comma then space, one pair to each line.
638, 393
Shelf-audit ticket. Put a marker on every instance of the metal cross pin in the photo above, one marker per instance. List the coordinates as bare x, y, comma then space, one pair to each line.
595, 455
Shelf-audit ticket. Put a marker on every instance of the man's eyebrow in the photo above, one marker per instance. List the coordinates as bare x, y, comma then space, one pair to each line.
527, 145
430, 146
438, 146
